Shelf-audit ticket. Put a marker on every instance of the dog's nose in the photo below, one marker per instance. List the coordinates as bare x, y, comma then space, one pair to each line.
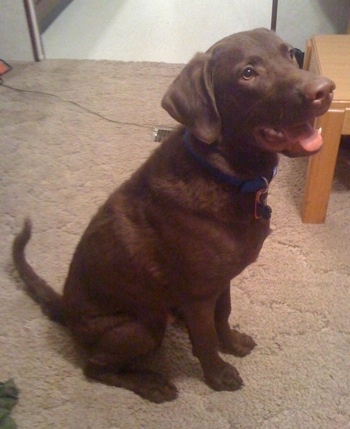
319, 90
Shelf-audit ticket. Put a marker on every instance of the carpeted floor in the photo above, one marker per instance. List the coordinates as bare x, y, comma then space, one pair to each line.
76, 130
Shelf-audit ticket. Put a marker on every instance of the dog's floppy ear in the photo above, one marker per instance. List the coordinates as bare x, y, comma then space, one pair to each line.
190, 100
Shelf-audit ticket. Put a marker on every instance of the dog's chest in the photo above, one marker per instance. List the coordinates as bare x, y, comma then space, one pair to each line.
242, 245
214, 248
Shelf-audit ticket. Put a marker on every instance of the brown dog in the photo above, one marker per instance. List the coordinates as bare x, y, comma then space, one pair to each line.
190, 219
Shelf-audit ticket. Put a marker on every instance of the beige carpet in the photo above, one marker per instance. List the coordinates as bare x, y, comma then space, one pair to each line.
75, 132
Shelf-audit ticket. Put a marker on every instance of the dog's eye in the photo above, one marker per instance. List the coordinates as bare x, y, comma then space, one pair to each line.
291, 54
248, 73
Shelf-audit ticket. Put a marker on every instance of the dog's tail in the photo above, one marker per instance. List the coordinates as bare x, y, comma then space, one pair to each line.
49, 300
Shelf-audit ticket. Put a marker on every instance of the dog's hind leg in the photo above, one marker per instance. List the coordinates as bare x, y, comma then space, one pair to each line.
112, 356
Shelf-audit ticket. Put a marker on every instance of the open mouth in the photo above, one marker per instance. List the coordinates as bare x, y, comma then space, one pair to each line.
302, 136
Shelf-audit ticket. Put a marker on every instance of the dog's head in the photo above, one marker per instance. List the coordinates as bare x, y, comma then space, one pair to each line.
250, 85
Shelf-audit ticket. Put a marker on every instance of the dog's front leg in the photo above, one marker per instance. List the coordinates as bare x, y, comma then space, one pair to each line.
218, 374
231, 341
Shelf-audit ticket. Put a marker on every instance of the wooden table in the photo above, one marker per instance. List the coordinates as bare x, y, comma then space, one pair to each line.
327, 55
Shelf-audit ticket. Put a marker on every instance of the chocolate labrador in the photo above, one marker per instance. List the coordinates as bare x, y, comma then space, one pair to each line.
190, 219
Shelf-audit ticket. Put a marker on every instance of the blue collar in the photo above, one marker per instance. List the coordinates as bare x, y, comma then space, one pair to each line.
252, 185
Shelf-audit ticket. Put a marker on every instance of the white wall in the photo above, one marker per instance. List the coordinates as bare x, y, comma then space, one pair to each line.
149, 30
15, 43
299, 20
162, 30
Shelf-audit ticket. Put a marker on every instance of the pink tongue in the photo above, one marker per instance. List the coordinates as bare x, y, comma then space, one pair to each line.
313, 142
306, 135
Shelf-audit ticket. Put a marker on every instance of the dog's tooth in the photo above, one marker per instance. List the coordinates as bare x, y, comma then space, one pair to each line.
320, 131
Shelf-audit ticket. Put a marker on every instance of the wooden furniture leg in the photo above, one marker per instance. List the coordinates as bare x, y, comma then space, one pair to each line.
321, 169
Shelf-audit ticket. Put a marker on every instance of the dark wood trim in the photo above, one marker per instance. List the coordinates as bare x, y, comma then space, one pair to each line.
31, 30
274, 15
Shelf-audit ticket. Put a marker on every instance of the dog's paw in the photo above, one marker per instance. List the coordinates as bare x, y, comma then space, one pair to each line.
239, 344
155, 388
227, 378
147, 384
